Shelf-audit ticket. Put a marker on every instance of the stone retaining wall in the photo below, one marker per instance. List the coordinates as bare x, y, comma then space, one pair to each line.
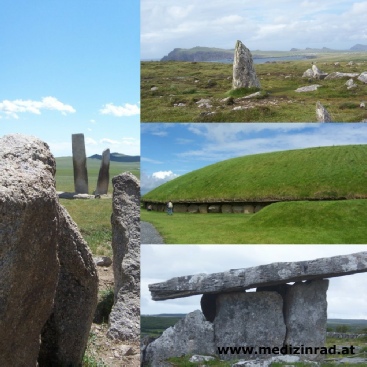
204, 208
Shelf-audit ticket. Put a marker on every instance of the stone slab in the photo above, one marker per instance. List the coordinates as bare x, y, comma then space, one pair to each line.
79, 164
263, 275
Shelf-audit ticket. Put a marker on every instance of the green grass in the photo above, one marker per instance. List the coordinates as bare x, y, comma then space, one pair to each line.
93, 219
187, 82
304, 222
155, 325
313, 173
65, 176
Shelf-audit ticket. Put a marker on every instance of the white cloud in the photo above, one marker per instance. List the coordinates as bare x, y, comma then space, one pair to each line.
126, 110
150, 182
110, 141
13, 108
90, 141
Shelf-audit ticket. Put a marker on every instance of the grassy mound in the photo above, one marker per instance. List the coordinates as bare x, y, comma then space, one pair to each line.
337, 172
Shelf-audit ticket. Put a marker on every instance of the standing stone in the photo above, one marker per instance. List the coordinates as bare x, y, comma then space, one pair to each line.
79, 164
48, 281
29, 264
191, 335
322, 114
124, 322
65, 335
244, 75
305, 314
248, 319
104, 174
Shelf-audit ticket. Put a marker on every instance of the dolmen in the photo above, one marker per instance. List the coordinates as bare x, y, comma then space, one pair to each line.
277, 315
48, 280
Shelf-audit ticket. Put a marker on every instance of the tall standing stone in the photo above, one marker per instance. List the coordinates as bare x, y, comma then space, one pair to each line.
305, 313
29, 264
322, 114
248, 319
244, 75
124, 321
79, 164
104, 174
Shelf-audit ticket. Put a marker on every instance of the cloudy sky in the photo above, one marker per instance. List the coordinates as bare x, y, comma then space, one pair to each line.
71, 67
170, 150
260, 25
346, 296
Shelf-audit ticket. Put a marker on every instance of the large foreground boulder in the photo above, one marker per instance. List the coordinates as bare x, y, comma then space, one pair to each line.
191, 335
244, 75
48, 281
125, 316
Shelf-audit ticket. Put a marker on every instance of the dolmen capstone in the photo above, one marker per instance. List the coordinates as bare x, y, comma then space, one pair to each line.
79, 164
277, 315
104, 174
48, 281
124, 320
244, 75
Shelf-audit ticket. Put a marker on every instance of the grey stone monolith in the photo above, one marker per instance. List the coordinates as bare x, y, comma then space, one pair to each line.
244, 75
191, 335
124, 321
104, 174
248, 319
48, 281
322, 114
79, 164
305, 313
29, 265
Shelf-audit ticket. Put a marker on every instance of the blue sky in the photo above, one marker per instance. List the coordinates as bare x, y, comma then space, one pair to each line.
170, 150
160, 263
260, 25
71, 67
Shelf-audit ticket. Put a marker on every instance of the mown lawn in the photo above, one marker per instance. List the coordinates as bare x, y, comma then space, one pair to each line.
305, 222
187, 83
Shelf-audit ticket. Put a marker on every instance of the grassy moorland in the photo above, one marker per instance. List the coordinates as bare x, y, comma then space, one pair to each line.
186, 83
314, 173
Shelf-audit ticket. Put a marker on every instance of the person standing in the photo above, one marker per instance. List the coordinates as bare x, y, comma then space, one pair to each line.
169, 208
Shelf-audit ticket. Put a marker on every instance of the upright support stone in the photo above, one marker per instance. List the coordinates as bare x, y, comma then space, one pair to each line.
104, 174
244, 75
79, 164
305, 311
125, 315
249, 319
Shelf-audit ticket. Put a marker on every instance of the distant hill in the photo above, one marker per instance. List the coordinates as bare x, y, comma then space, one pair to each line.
118, 157
359, 47
199, 54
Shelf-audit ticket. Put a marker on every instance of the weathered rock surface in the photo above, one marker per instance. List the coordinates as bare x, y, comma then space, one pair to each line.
363, 77
244, 75
248, 319
309, 88
322, 114
317, 73
124, 322
191, 335
258, 276
79, 164
28, 246
350, 84
339, 75
104, 174
305, 312
48, 281
65, 335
